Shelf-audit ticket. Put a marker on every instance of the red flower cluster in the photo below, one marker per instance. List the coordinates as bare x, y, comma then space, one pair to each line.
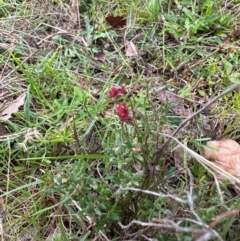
122, 112
117, 91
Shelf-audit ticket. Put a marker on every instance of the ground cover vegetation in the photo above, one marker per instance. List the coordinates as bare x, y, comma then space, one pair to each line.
90, 92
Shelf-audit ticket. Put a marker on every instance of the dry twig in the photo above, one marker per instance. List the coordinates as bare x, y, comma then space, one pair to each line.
172, 223
163, 148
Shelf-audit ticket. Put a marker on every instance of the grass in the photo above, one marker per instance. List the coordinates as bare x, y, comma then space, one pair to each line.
70, 169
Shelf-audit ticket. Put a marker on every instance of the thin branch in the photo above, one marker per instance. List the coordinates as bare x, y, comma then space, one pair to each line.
205, 231
153, 193
169, 224
222, 216
163, 148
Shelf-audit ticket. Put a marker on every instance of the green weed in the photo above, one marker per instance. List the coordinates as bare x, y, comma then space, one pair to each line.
80, 164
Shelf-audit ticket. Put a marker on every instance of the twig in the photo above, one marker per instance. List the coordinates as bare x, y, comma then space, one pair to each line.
176, 198
201, 61
167, 223
222, 216
210, 166
183, 123
190, 196
202, 235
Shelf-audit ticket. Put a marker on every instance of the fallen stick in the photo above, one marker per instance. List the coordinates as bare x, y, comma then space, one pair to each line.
164, 147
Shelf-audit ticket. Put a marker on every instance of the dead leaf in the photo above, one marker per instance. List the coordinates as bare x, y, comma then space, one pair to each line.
116, 21
225, 154
182, 111
165, 96
108, 114
100, 56
66, 124
131, 49
12, 107
3, 130
74, 11
179, 109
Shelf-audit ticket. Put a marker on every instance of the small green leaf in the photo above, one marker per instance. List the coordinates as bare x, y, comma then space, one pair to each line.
235, 77
228, 67
201, 93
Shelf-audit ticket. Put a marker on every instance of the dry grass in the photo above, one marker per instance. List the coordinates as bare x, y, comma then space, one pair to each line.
70, 170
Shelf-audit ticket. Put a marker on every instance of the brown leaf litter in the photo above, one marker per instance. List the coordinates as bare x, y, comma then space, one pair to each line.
167, 97
225, 154
131, 49
13, 107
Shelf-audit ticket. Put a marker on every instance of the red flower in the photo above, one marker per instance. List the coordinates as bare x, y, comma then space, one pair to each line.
122, 112
117, 91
